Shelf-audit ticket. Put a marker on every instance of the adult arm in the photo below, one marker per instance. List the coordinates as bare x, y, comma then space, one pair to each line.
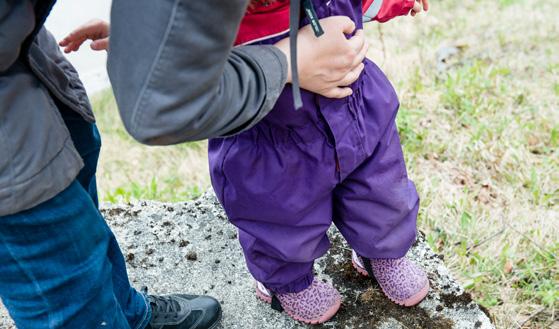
176, 77
17, 21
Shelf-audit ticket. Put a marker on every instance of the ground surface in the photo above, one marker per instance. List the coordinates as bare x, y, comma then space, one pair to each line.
191, 247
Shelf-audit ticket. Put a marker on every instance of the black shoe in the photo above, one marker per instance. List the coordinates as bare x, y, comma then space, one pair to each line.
184, 312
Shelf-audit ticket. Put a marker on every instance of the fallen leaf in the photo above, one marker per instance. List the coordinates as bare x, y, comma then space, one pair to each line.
508, 267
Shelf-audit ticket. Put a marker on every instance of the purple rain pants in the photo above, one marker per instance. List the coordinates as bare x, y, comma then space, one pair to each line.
285, 180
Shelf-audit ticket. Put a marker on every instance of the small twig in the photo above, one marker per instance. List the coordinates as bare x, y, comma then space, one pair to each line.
487, 239
383, 44
542, 249
531, 317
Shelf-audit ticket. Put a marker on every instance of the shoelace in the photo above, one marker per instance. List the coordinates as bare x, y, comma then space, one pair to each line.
162, 305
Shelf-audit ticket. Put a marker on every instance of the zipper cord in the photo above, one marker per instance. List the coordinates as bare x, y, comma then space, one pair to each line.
294, 15
313, 18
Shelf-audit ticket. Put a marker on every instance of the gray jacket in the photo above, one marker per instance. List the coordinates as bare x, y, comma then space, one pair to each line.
173, 72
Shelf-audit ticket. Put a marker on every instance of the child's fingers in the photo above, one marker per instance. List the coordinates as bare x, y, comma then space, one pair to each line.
68, 39
94, 30
73, 45
70, 48
73, 37
416, 8
64, 42
425, 4
102, 44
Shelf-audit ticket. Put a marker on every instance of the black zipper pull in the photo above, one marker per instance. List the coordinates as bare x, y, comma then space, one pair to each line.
313, 17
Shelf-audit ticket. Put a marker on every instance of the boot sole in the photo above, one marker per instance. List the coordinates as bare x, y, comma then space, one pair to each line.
325, 317
412, 301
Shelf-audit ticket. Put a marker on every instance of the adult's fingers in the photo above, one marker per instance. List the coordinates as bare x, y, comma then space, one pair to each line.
338, 92
361, 55
345, 68
352, 76
351, 55
357, 41
347, 25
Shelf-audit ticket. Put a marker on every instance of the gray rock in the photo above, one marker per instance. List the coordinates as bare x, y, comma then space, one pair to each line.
161, 236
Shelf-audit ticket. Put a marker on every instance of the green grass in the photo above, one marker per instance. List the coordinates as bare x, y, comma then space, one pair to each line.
171, 191
482, 145
129, 171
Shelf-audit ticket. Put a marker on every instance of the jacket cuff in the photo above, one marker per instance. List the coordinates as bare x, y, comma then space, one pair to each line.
273, 64
390, 9
373, 10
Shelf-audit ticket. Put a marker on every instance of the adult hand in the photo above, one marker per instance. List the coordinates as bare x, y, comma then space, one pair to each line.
331, 62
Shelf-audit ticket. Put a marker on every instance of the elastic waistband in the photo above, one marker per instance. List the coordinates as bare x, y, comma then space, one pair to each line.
281, 134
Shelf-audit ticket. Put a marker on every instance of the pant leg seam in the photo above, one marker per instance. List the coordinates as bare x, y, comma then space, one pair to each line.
31, 278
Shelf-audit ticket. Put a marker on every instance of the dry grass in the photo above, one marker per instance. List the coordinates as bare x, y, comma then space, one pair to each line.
128, 170
481, 139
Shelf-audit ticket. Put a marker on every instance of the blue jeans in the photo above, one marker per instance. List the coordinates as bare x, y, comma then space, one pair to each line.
60, 264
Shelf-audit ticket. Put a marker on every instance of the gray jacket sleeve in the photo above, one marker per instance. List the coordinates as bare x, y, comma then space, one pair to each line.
176, 77
17, 19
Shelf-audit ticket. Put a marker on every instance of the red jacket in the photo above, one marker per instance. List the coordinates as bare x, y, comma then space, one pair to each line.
263, 22
385, 10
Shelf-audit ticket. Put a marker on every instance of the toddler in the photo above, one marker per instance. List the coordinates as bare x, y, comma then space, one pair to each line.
285, 180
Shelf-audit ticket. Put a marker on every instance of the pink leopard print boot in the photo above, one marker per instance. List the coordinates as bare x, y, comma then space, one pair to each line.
401, 280
316, 304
